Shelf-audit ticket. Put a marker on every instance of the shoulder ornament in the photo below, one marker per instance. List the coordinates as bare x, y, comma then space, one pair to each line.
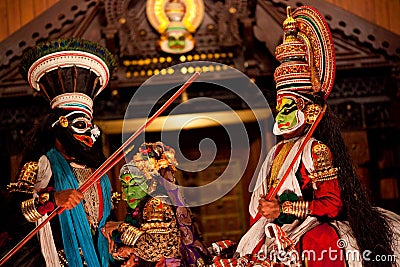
26, 179
323, 164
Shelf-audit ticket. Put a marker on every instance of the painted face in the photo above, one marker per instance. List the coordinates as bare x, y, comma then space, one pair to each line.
84, 131
77, 127
134, 187
289, 117
176, 41
286, 117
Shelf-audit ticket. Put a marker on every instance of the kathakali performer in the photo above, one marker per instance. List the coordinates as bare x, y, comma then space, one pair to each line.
158, 229
321, 207
62, 152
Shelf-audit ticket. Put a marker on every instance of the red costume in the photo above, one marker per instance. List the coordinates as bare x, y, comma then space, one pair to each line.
299, 227
308, 195
321, 215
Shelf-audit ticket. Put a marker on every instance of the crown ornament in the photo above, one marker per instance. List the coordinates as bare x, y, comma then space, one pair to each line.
70, 72
307, 55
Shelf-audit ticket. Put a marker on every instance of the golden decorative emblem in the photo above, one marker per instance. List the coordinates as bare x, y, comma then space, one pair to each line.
154, 210
175, 20
323, 158
287, 207
311, 112
323, 164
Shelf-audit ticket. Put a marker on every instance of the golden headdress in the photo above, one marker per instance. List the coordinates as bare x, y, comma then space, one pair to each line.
307, 55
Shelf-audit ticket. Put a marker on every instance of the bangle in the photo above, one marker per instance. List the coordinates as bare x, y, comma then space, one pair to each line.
296, 208
122, 227
29, 210
131, 235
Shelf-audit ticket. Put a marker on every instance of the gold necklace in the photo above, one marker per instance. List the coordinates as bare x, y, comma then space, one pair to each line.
278, 162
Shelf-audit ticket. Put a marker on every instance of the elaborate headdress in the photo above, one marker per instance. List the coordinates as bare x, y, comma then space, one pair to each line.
307, 55
152, 165
175, 20
69, 72
152, 157
147, 165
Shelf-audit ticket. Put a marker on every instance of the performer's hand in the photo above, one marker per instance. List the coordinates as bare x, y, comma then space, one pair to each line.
68, 198
107, 232
268, 209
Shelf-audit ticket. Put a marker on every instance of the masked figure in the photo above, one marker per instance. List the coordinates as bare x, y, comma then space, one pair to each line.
319, 215
157, 229
64, 150
176, 21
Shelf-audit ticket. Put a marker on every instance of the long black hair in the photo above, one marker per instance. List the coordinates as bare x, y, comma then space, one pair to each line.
369, 226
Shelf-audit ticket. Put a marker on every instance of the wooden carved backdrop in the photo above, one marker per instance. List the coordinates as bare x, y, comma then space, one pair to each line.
17, 13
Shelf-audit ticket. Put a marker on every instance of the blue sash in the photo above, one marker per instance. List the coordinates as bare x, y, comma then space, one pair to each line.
75, 227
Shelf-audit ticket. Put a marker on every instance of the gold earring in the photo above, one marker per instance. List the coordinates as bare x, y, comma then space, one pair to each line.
312, 111
63, 121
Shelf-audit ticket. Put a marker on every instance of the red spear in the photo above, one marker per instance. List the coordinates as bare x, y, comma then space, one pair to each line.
105, 167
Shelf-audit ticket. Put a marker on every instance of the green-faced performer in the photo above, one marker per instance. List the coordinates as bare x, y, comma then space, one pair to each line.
156, 230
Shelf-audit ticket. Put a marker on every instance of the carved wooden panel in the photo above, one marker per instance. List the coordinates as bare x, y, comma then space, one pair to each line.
383, 13
17, 13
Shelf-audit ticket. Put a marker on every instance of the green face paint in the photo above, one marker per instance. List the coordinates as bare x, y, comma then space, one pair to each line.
134, 188
286, 117
176, 42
